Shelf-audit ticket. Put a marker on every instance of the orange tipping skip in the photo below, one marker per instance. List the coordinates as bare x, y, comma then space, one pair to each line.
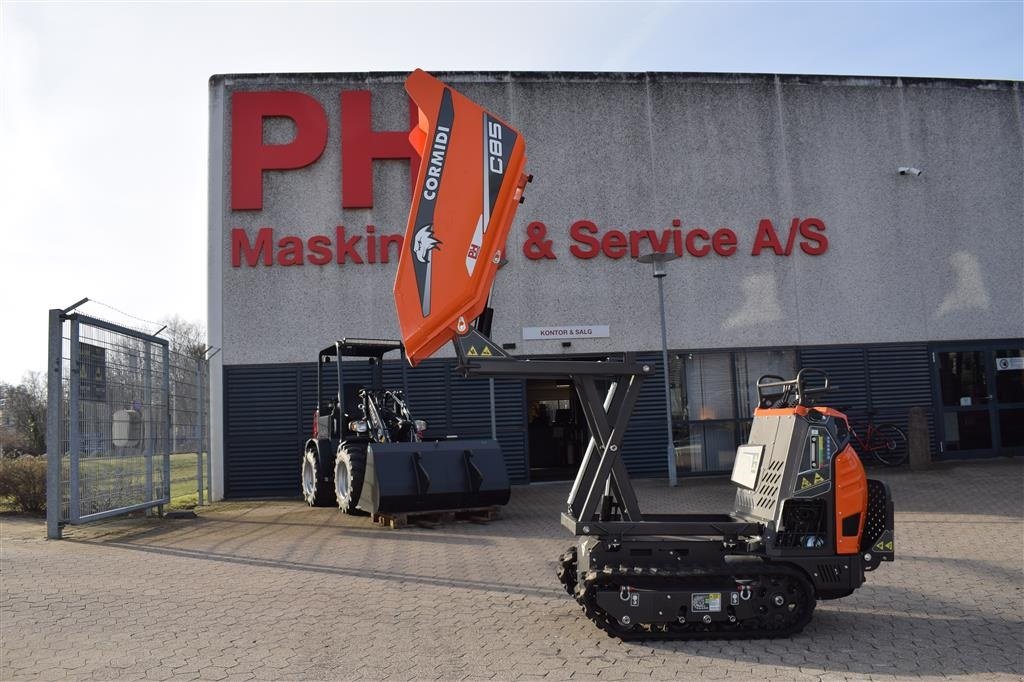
469, 185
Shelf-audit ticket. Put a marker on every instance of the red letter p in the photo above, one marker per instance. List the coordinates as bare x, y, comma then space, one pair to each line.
250, 157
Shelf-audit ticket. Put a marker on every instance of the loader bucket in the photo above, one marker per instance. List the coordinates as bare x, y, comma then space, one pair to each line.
469, 185
433, 476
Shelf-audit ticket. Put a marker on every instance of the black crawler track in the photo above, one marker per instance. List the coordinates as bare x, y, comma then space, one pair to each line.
765, 578
566, 570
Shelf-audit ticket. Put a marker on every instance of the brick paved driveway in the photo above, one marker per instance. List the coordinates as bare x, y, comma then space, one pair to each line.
274, 590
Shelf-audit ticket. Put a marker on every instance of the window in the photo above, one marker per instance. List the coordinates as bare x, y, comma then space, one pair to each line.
713, 400
751, 366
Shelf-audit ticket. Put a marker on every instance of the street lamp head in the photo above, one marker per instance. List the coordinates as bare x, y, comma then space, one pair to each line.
657, 261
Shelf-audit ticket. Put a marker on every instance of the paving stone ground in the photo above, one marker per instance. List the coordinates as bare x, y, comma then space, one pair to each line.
277, 591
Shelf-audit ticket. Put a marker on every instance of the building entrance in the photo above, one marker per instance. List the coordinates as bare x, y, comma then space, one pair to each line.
556, 430
980, 398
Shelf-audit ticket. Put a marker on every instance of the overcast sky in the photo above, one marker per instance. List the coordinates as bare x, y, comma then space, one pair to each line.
104, 112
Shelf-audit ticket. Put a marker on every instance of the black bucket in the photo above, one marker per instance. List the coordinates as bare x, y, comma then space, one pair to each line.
433, 476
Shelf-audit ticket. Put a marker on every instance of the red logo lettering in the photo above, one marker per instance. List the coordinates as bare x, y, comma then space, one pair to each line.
766, 239
578, 232
813, 230
250, 156
691, 242
361, 144
253, 253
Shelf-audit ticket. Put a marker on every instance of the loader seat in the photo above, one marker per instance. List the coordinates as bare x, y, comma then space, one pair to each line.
336, 417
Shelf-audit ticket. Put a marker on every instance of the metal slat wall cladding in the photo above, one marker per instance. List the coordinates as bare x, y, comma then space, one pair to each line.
643, 445
268, 415
263, 431
269, 409
888, 379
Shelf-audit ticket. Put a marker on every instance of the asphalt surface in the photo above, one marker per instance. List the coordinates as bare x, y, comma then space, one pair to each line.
278, 591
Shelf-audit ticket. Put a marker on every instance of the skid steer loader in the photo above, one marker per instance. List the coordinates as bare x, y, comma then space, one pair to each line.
367, 453
806, 524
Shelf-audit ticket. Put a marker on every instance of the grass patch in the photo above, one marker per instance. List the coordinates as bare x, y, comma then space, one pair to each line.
183, 480
107, 472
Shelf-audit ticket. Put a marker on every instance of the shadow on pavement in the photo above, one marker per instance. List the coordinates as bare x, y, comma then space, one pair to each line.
349, 572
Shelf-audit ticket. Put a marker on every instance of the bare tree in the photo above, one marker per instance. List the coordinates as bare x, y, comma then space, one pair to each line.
186, 337
188, 348
24, 414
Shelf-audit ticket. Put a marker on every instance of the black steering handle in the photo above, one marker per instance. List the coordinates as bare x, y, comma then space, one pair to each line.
798, 384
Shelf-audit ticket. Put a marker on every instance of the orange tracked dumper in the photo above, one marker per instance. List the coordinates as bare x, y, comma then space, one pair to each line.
807, 523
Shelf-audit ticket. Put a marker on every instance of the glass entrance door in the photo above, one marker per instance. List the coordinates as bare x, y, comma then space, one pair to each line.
980, 401
1009, 381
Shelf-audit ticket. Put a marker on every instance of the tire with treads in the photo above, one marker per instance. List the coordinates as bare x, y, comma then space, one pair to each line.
315, 491
349, 471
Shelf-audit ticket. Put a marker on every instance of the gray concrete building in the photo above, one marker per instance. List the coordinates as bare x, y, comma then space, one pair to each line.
871, 227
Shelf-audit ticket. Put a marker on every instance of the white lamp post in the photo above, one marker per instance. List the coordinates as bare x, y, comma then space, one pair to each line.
657, 261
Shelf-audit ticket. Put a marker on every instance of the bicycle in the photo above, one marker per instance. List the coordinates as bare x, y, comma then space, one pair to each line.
886, 443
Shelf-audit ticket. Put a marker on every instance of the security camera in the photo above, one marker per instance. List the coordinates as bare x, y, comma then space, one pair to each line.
909, 170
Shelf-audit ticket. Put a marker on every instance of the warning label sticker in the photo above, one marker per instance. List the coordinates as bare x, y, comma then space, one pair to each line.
706, 602
812, 483
811, 480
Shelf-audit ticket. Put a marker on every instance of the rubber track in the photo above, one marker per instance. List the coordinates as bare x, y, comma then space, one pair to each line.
690, 579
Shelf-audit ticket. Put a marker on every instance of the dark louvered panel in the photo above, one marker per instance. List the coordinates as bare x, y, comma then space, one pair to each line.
263, 434
900, 378
510, 400
644, 444
848, 373
470, 404
885, 381
307, 397
269, 408
427, 395
396, 374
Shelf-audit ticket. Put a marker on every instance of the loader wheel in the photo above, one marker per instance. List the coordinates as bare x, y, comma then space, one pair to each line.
317, 493
349, 469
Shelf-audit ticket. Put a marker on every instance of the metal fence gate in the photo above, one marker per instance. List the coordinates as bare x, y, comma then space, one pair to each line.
121, 404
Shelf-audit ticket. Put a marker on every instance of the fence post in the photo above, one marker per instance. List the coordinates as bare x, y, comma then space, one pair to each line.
166, 492
74, 424
202, 438
148, 423
54, 385
206, 421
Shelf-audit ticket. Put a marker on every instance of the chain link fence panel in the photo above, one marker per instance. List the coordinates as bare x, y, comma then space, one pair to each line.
127, 422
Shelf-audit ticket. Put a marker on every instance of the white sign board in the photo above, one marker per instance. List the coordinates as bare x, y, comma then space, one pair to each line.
1004, 364
575, 331
746, 464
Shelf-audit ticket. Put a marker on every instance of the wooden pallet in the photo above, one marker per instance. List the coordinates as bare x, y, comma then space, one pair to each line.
432, 519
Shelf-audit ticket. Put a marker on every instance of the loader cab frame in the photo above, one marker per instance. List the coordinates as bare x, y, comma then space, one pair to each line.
332, 411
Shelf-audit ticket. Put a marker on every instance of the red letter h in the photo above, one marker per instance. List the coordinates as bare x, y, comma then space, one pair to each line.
360, 145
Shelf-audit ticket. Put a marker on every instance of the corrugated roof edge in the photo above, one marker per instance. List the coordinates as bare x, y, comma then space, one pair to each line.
620, 77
